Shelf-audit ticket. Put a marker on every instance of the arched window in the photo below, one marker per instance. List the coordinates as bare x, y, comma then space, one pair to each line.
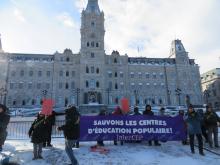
97, 70
67, 86
116, 86
67, 73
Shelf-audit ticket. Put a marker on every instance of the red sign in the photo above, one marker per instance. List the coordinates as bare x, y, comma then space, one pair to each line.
125, 105
47, 106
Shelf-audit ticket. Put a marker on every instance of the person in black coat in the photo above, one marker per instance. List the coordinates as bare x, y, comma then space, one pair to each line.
136, 111
211, 121
4, 120
71, 131
38, 135
101, 113
50, 123
148, 111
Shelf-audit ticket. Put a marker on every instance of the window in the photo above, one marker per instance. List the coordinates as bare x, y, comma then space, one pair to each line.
97, 84
92, 24
116, 74
23, 102
154, 75
161, 75
73, 85
87, 69
122, 85
147, 75
116, 86
92, 55
67, 59
139, 74
22, 73
87, 44
97, 70
87, 84
92, 69
92, 84
47, 86
115, 60
121, 74
60, 85
67, 73
48, 73
110, 74
33, 102
31, 73
39, 73
110, 85
67, 86
73, 73
14, 102
132, 74
93, 44
38, 85
61, 73
20, 86
97, 44
30, 85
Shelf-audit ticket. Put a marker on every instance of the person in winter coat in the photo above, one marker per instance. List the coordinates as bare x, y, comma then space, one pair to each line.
71, 131
4, 120
203, 126
148, 111
38, 135
211, 121
117, 111
193, 121
136, 111
181, 113
101, 113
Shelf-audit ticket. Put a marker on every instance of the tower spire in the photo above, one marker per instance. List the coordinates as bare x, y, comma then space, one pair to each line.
93, 6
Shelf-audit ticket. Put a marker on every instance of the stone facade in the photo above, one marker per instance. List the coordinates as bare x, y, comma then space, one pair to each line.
92, 76
211, 87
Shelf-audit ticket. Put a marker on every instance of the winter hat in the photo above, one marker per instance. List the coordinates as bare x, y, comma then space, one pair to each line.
3, 107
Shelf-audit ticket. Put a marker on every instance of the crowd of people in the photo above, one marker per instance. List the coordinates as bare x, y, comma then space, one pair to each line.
202, 125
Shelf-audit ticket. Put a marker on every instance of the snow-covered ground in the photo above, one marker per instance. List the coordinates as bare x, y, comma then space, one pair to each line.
128, 154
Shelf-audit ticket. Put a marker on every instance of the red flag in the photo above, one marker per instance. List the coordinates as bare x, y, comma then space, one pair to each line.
125, 105
47, 106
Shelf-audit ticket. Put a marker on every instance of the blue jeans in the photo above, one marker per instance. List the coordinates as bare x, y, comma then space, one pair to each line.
68, 148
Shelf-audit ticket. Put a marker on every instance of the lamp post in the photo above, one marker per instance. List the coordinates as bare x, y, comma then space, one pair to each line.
3, 93
108, 92
77, 94
135, 95
178, 93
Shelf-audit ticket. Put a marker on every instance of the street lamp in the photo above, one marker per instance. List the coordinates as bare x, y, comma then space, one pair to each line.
3, 93
108, 92
135, 95
77, 94
178, 93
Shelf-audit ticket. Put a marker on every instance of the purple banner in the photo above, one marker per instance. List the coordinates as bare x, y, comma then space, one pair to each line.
132, 128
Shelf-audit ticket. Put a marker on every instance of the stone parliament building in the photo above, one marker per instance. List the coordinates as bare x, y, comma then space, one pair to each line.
93, 77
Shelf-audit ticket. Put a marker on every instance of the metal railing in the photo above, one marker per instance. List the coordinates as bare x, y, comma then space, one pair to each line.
18, 130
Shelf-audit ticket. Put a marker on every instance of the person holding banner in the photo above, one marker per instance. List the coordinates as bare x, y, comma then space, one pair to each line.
194, 129
148, 111
118, 111
136, 111
103, 112
38, 133
71, 132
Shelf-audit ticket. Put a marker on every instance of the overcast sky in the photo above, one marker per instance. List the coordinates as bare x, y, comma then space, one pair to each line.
46, 26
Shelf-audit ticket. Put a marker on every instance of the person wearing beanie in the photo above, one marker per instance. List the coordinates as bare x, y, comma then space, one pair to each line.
193, 121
